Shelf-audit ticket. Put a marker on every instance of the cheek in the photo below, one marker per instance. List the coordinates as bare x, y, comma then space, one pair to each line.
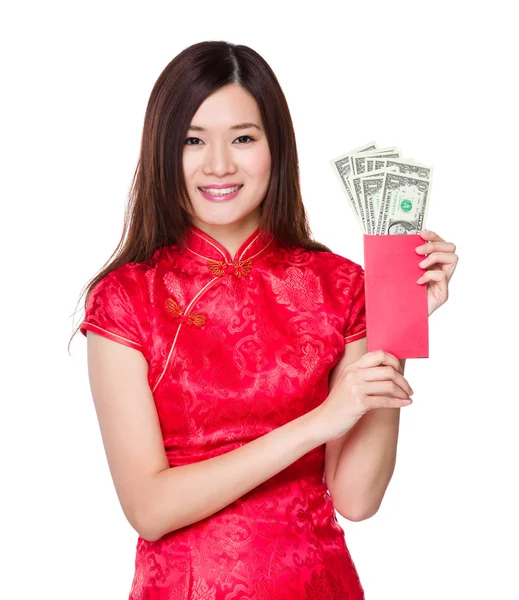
260, 162
189, 165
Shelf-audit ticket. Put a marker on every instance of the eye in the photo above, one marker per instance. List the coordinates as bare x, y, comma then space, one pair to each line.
245, 136
195, 138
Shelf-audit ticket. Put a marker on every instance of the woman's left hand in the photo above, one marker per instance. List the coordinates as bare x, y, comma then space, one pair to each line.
440, 264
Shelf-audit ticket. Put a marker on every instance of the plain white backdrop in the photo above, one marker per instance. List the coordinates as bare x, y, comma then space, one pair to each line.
439, 81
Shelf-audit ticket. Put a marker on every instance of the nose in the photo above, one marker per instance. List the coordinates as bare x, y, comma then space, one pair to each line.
219, 160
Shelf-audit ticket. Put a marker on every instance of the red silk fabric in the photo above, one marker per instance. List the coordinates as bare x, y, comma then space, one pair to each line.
236, 347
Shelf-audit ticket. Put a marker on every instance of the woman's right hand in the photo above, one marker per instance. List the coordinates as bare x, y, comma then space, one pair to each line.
373, 381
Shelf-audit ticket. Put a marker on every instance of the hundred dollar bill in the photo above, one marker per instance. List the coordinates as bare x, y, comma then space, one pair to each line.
405, 201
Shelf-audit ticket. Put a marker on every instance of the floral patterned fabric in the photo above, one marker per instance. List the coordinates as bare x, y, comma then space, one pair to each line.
237, 346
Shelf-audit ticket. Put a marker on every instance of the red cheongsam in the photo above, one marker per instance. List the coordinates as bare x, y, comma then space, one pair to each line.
237, 347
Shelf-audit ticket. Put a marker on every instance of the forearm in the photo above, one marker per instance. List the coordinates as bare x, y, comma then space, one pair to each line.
179, 496
367, 461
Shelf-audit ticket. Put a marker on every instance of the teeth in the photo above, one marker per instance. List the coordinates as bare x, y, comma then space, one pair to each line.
216, 192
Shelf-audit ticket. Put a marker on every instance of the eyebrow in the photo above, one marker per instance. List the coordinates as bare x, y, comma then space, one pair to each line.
239, 126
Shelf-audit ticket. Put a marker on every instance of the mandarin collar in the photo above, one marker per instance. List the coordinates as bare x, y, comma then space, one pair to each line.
203, 245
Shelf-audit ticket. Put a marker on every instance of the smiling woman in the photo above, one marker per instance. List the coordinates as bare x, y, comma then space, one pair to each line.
212, 335
221, 160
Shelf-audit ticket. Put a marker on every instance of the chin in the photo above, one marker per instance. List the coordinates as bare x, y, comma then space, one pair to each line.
225, 215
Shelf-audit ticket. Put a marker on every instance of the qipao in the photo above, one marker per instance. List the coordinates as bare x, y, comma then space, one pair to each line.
238, 346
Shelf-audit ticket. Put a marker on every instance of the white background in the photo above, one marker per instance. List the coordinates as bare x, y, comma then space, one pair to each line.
437, 80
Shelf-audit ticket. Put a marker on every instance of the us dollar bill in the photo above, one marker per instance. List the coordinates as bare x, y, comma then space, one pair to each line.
343, 167
385, 205
368, 189
405, 201
357, 188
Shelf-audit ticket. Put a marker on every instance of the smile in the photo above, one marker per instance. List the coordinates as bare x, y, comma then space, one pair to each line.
219, 195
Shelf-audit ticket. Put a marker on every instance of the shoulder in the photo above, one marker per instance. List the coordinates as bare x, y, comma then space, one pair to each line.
329, 264
129, 284
119, 293
346, 274
335, 277
127, 278
134, 283
117, 307
342, 277
342, 264
139, 276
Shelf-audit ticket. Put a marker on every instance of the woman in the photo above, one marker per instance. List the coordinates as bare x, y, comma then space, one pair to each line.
240, 365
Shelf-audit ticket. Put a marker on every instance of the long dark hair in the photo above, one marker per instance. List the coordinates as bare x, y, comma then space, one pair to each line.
158, 208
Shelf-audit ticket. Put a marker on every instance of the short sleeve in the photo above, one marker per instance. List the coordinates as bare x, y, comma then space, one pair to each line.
356, 318
114, 309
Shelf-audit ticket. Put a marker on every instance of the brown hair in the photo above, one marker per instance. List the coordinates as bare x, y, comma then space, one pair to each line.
156, 214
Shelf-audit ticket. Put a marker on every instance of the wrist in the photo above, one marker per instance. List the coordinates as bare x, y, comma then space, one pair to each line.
313, 423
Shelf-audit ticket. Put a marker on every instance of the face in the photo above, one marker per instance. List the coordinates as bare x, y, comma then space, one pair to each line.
222, 155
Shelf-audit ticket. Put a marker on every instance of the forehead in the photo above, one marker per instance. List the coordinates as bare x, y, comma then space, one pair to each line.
225, 109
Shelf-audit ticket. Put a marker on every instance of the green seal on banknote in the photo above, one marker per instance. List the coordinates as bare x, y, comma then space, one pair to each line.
406, 205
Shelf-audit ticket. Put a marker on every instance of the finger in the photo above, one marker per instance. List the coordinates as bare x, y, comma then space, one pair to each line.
384, 388
427, 234
435, 275
386, 373
385, 402
430, 247
378, 357
438, 257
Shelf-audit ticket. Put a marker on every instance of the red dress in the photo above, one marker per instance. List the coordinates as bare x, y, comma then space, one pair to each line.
237, 347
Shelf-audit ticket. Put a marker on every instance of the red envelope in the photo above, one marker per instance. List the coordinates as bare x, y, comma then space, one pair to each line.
396, 306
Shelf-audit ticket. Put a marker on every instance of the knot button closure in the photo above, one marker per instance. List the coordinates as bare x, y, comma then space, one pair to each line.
239, 267
177, 311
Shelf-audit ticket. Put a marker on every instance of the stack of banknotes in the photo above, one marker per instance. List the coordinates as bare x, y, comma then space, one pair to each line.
388, 194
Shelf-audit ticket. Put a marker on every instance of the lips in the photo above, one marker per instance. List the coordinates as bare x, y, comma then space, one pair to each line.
221, 186
221, 196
